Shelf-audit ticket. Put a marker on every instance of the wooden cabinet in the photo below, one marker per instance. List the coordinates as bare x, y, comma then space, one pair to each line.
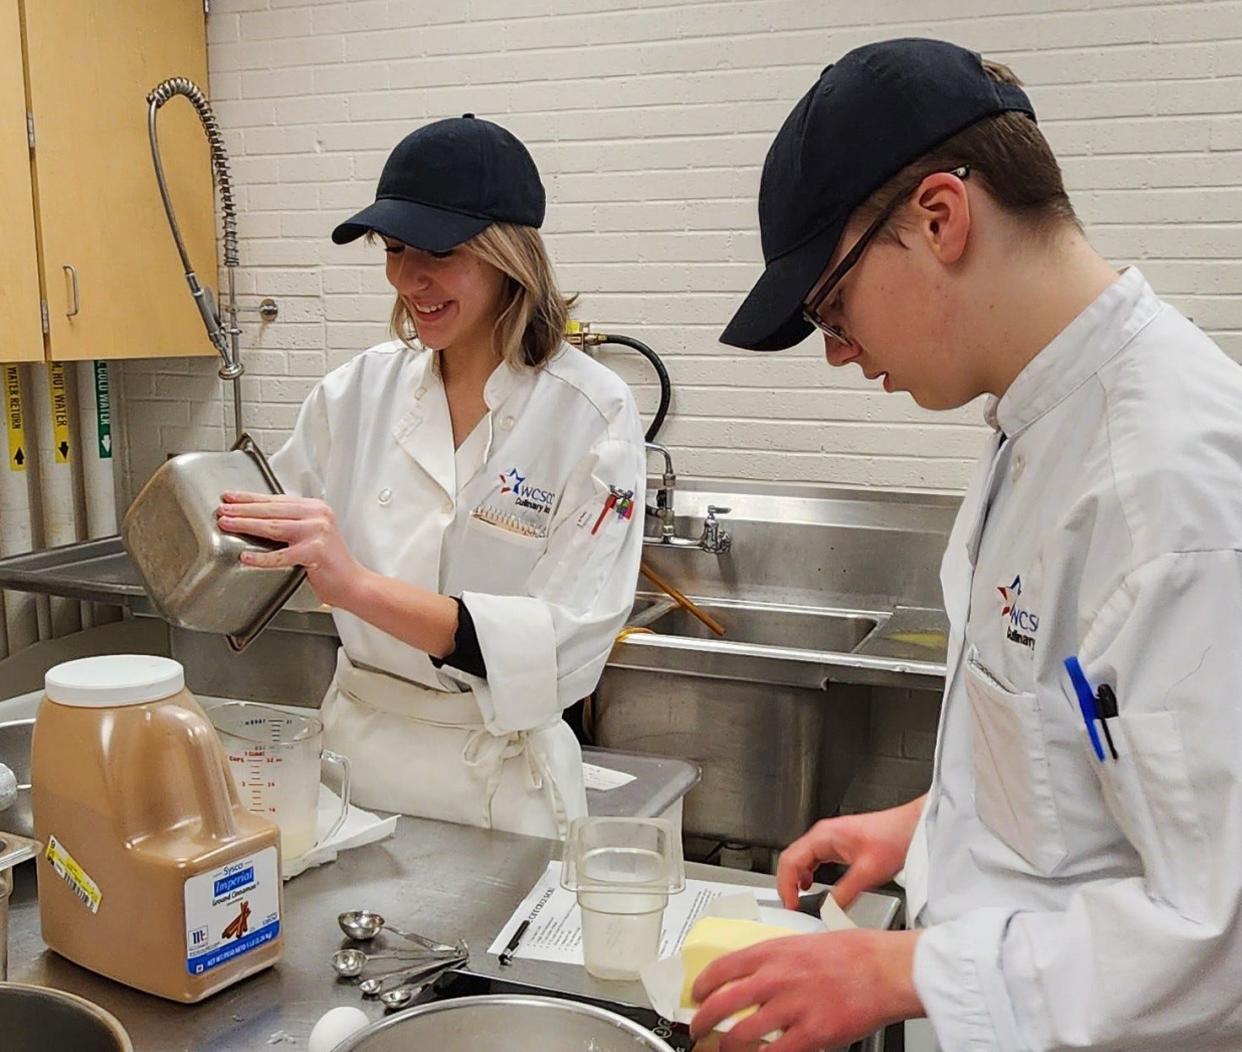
82, 205
21, 331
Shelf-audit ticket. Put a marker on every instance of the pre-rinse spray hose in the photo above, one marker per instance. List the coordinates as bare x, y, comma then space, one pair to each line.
221, 324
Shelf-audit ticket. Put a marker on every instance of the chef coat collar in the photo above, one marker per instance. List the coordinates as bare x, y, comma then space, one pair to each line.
504, 379
500, 385
1076, 354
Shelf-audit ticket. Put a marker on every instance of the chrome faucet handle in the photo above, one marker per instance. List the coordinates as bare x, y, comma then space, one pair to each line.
714, 539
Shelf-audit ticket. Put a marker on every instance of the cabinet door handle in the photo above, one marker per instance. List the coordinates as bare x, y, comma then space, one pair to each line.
73, 282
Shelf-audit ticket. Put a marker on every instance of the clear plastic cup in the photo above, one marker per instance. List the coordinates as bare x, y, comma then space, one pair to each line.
275, 758
623, 871
620, 932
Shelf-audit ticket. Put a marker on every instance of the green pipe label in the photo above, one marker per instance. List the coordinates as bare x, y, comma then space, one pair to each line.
103, 410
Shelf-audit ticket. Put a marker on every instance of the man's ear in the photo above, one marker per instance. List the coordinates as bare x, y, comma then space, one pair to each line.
942, 215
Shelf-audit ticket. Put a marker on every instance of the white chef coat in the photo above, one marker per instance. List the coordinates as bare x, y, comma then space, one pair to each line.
519, 523
1069, 902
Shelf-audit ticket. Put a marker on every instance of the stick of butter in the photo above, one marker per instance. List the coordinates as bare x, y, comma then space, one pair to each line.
713, 937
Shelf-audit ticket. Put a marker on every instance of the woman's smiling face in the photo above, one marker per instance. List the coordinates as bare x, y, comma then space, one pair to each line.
453, 297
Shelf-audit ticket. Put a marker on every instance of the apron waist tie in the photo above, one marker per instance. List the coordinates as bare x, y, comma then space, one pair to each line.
483, 751
488, 752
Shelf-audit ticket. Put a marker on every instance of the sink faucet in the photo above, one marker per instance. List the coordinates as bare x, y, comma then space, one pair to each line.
713, 539
663, 510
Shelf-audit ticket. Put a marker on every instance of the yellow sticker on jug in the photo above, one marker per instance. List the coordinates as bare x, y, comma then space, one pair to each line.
74, 875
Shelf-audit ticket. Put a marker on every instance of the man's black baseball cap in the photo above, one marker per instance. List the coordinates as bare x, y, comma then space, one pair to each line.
447, 182
868, 116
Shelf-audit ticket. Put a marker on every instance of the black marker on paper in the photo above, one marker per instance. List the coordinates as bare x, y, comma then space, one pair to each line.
506, 955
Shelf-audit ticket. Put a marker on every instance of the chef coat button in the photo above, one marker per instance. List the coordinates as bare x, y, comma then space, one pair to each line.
385, 495
1019, 465
448, 507
420, 392
507, 423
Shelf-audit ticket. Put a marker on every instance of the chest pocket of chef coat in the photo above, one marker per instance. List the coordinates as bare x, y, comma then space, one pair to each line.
499, 560
1149, 793
1013, 784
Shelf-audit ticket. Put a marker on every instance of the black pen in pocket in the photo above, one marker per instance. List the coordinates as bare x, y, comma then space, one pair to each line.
1107, 703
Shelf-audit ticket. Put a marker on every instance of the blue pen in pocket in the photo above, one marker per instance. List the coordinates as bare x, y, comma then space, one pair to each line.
1086, 703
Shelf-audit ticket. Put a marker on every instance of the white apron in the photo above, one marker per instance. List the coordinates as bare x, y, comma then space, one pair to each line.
426, 752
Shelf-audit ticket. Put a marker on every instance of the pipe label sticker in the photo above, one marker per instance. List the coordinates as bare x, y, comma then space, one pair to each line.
13, 415
60, 409
103, 410
231, 910
71, 873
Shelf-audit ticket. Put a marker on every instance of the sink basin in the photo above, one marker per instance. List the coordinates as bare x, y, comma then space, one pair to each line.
647, 609
801, 628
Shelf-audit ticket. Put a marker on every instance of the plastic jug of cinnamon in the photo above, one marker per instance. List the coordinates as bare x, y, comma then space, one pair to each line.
152, 873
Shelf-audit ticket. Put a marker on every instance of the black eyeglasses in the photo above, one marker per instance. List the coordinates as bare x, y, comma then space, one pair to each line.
810, 309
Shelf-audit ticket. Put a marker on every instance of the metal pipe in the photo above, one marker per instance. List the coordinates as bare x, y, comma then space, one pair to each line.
16, 532
220, 321
53, 418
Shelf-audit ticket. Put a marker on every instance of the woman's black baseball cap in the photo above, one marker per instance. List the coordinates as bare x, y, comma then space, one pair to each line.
868, 116
447, 182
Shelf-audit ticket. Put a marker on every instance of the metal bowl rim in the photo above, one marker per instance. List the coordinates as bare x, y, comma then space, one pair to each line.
627, 1026
102, 1014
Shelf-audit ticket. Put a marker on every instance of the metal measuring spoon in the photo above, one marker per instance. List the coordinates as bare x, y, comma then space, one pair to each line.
379, 984
393, 1000
350, 962
364, 925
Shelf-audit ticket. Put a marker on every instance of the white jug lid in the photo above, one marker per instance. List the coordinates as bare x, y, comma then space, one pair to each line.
114, 680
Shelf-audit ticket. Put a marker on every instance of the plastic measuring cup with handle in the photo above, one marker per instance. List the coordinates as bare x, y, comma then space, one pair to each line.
275, 758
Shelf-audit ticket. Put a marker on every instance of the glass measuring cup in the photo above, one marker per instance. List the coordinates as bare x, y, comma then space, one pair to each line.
275, 758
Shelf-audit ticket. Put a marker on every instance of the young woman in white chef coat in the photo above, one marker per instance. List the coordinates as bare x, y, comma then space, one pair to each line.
469, 502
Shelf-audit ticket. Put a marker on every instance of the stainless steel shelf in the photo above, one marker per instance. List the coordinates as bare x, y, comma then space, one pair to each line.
97, 571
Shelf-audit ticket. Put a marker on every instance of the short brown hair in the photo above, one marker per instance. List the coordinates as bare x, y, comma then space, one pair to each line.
1007, 154
533, 315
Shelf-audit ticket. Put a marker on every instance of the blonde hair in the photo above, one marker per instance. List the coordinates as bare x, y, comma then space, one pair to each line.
533, 314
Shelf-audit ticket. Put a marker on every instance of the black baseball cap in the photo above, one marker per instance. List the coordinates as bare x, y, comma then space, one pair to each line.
447, 182
868, 116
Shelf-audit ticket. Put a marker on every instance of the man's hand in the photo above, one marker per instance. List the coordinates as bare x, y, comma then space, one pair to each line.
822, 991
873, 845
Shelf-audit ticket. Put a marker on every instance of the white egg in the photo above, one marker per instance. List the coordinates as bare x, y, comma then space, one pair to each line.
335, 1026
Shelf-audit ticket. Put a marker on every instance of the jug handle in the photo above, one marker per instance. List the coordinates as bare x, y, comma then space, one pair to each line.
195, 745
207, 754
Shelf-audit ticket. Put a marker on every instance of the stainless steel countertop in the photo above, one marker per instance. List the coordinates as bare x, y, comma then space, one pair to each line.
443, 880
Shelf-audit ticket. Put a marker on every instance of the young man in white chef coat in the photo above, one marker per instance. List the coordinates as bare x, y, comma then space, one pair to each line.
1074, 873
469, 501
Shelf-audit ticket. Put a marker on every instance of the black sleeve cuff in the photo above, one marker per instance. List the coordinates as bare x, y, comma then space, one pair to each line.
465, 655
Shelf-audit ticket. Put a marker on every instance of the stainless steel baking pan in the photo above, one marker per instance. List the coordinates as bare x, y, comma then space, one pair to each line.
192, 569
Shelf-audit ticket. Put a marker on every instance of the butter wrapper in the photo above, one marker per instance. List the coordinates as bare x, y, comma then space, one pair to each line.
663, 979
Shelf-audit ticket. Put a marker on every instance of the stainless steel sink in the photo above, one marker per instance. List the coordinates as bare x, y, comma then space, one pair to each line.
776, 713
770, 625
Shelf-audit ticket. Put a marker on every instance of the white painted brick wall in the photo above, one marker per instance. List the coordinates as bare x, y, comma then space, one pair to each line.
649, 120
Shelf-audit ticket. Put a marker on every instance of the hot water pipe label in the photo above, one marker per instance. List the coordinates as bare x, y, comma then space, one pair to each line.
231, 910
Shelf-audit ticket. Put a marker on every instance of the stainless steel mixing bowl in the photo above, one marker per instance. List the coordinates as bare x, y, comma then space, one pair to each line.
502, 1023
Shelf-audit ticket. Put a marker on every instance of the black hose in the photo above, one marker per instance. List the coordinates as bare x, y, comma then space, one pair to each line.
666, 386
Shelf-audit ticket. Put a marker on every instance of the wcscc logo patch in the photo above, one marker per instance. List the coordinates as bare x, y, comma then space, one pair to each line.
1022, 624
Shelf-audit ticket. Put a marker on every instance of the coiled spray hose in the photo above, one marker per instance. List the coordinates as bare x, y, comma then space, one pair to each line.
221, 324
580, 335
